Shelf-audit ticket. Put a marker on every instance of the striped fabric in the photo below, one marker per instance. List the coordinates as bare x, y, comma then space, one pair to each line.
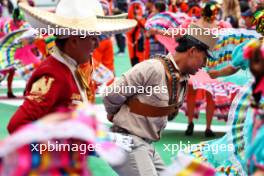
185, 165
9, 26
14, 54
6, 52
166, 20
156, 47
102, 74
254, 153
222, 94
25, 71
230, 162
229, 38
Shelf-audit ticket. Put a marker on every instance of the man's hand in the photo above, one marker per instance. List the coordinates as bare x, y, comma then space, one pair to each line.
125, 142
213, 74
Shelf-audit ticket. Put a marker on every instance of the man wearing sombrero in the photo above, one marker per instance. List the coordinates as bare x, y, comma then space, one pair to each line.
64, 78
141, 102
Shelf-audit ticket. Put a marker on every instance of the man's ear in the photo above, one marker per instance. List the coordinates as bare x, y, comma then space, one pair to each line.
73, 41
191, 51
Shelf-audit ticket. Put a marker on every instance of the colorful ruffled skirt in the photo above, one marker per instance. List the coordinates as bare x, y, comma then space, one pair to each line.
227, 154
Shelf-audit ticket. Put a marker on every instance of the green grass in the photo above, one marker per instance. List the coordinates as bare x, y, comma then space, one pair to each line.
6, 111
15, 90
122, 64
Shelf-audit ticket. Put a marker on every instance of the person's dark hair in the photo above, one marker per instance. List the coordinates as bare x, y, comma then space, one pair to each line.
16, 13
244, 6
207, 12
193, 3
160, 6
186, 43
60, 43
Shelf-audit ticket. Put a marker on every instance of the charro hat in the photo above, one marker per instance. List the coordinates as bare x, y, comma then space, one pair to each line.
78, 17
202, 37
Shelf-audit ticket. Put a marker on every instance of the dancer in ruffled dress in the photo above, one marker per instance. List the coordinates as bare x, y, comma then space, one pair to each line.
254, 51
232, 162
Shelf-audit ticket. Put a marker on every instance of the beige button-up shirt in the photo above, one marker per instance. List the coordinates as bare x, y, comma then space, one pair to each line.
149, 74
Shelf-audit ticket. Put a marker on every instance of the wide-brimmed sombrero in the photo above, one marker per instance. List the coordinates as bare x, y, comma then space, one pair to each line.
76, 17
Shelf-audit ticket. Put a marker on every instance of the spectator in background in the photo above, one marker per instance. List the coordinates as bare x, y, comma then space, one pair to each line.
244, 6
231, 12
136, 37
155, 46
149, 7
120, 7
194, 9
256, 5
178, 6
159, 6
247, 19
104, 53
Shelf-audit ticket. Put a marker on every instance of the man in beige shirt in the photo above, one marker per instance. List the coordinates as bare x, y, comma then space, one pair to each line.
140, 103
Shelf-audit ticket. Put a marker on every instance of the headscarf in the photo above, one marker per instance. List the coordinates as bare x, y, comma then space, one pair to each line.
136, 6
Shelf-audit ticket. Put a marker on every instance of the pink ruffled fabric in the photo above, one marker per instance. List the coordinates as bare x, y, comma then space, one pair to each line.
222, 94
26, 56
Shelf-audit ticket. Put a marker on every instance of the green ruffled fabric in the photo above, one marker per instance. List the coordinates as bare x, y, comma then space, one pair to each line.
230, 161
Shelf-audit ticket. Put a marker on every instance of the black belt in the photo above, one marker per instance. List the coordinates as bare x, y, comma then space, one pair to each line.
117, 129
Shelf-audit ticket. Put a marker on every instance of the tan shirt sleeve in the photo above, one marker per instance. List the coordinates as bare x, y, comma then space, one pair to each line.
147, 73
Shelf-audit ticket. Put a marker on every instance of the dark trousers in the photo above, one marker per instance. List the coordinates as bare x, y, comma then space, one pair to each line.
121, 42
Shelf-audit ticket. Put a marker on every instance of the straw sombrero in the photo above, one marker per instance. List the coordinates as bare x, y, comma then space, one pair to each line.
76, 17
